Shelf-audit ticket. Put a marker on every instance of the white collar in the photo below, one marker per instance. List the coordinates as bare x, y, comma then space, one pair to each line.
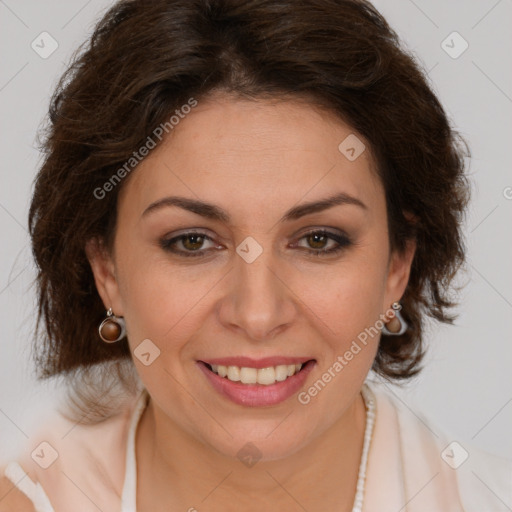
129, 493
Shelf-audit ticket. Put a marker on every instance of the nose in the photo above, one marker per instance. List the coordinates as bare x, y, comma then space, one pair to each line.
259, 302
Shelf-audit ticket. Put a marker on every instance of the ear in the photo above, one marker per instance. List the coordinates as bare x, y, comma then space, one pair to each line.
103, 269
399, 269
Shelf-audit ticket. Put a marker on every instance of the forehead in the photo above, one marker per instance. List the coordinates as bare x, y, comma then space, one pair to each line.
242, 153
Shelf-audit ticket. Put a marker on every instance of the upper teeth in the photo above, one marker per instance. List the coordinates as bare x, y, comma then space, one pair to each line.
264, 376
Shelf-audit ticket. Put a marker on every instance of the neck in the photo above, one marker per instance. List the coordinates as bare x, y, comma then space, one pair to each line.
173, 467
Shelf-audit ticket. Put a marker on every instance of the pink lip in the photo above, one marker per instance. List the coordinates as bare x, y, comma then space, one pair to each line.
256, 395
264, 362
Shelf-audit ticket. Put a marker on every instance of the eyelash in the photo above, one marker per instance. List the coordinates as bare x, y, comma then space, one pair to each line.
342, 240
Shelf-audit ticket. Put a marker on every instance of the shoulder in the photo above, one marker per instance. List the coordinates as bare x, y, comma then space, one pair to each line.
477, 480
70, 461
11, 498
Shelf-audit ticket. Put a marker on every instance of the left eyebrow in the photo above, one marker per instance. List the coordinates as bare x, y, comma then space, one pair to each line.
323, 204
214, 212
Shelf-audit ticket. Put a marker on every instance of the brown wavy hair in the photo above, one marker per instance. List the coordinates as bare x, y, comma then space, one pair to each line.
146, 58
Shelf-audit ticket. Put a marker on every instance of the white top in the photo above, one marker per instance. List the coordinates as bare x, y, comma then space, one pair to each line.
15, 473
412, 466
129, 494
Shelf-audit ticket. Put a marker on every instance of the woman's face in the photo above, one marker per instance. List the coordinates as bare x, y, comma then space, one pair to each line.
255, 280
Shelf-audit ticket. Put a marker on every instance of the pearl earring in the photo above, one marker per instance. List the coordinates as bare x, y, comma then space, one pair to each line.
397, 325
112, 328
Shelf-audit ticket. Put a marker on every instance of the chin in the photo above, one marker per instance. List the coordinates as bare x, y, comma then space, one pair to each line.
254, 443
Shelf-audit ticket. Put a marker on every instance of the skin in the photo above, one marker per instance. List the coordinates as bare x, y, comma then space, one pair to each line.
255, 160
11, 498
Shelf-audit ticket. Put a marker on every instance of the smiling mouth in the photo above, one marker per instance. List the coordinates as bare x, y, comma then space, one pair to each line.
263, 376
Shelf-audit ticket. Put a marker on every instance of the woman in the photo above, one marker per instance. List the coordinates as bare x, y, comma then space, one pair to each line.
244, 207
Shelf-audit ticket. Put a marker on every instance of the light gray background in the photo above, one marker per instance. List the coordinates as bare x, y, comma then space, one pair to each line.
466, 387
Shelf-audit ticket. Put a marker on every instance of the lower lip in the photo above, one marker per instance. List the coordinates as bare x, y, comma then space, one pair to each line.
257, 395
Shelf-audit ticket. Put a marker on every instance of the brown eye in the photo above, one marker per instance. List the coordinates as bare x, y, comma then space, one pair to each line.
324, 243
188, 244
192, 242
317, 240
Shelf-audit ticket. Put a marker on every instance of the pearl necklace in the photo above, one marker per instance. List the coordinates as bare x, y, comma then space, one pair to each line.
369, 400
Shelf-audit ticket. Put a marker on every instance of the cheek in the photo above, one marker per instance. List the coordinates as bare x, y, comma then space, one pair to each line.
346, 300
158, 300
162, 301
